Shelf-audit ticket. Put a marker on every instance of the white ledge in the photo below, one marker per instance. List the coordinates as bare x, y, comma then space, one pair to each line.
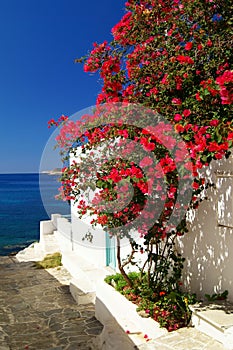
123, 327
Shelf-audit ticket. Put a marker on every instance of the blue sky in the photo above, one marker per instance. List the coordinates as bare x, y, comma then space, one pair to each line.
39, 41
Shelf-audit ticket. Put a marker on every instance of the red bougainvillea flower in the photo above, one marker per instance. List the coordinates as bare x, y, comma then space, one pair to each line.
177, 101
214, 122
185, 59
225, 82
147, 161
178, 117
186, 113
188, 46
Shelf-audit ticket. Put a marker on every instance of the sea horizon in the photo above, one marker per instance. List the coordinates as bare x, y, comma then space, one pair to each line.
26, 172
25, 200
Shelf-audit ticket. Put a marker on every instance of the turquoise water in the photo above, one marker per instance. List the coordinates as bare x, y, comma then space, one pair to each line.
22, 209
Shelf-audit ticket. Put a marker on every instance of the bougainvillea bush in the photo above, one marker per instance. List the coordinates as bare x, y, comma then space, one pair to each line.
170, 62
171, 310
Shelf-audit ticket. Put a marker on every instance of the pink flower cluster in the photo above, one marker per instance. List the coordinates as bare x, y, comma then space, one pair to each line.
225, 82
94, 62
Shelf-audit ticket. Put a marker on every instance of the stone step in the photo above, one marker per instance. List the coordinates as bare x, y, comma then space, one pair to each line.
216, 320
37, 251
31, 253
85, 277
49, 244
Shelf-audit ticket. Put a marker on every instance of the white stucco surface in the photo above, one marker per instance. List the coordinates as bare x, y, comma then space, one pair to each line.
208, 246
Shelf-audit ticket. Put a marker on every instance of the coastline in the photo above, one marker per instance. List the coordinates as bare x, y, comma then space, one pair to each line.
51, 172
12, 250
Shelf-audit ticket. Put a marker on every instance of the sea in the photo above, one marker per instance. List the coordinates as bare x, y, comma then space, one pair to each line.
25, 200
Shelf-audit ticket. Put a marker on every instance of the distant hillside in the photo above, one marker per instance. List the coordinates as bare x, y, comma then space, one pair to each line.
56, 171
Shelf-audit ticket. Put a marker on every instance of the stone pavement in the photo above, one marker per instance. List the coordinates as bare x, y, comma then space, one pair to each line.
183, 339
37, 312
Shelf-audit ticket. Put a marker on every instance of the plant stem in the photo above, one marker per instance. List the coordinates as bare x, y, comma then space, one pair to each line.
120, 266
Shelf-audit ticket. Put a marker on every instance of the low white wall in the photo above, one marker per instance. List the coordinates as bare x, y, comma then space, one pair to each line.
208, 246
54, 219
118, 315
46, 227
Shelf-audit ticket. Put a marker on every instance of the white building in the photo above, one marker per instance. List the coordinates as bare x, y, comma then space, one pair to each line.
207, 247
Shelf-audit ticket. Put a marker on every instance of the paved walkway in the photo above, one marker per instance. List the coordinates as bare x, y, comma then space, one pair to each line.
183, 339
37, 312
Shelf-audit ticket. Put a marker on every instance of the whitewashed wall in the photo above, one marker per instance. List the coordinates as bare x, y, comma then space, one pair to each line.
94, 251
208, 247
